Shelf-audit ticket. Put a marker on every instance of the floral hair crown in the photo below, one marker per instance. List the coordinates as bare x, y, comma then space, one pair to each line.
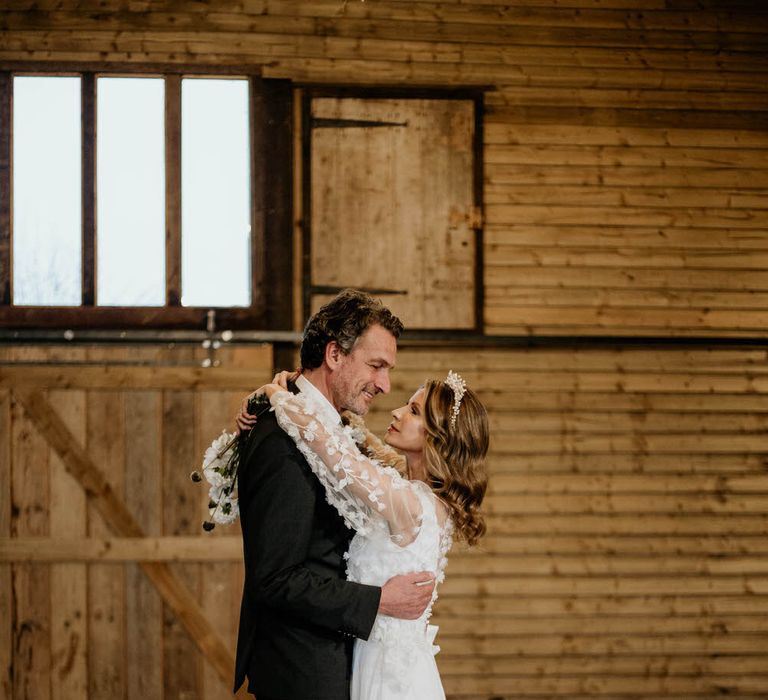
459, 387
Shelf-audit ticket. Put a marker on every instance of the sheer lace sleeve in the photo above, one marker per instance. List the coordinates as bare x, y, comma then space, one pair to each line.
363, 491
373, 446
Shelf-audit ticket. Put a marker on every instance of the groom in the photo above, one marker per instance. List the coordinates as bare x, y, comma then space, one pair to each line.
299, 615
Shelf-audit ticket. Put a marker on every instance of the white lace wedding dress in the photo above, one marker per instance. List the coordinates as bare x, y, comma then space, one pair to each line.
400, 528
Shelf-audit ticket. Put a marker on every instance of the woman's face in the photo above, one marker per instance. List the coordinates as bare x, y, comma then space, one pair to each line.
406, 431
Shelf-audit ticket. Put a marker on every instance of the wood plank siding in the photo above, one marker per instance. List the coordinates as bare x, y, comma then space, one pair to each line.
625, 143
626, 555
624, 196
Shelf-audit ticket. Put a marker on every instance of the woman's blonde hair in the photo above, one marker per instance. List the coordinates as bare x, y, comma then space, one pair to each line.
455, 455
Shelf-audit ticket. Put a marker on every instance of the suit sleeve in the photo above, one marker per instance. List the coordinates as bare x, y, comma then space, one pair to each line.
276, 504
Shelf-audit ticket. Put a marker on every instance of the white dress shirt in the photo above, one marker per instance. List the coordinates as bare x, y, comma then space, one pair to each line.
323, 404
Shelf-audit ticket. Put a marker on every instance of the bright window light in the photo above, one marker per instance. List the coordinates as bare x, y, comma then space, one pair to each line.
215, 194
130, 177
47, 201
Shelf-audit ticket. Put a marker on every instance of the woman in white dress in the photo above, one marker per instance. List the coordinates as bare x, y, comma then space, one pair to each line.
405, 512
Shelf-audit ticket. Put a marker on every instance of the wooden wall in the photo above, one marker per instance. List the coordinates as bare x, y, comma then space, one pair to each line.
626, 141
76, 621
626, 555
628, 511
625, 183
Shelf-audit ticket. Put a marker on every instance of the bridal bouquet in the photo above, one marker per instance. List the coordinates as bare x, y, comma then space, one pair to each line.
220, 466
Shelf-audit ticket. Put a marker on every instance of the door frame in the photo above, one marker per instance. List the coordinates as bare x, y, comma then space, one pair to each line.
476, 96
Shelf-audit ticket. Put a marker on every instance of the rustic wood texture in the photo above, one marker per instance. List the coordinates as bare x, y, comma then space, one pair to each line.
86, 463
6, 119
6, 579
71, 643
392, 204
144, 608
624, 141
628, 510
625, 187
173, 281
106, 447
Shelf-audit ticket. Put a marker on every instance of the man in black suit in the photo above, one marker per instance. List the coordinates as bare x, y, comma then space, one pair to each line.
299, 615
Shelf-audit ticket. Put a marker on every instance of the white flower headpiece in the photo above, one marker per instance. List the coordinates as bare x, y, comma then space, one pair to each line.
459, 387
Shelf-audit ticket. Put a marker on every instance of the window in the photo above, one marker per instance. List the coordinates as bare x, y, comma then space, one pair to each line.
130, 187
46, 191
142, 200
215, 201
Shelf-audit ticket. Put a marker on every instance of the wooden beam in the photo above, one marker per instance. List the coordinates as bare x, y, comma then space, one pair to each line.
273, 142
173, 190
260, 181
205, 548
117, 377
116, 515
120, 317
6, 121
88, 151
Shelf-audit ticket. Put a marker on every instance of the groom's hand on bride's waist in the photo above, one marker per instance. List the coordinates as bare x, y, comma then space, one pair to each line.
407, 596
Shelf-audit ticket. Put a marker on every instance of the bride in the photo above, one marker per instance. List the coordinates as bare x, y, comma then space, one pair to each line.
405, 506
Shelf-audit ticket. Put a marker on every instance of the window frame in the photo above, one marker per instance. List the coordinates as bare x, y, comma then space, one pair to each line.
271, 165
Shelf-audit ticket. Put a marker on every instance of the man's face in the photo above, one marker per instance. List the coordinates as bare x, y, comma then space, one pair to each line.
364, 372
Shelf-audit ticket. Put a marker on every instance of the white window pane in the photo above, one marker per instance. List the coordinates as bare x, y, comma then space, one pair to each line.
215, 199
130, 174
47, 231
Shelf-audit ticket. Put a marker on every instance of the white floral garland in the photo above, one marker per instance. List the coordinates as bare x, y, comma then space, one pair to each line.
221, 474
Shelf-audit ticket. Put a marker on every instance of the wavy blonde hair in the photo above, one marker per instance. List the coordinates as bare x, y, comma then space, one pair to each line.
455, 456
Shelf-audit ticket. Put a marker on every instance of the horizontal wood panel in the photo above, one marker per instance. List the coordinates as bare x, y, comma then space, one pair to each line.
650, 504
647, 216
626, 236
585, 607
619, 196
679, 382
628, 484
690, 665
631, 178
539, 321
114, 549
498, 132
623, 359
392, 26
130, 378
636, 278
655, 524
615, 545
564, 645
606, 686
449, 12
605, 565
229, 548
637, 625
620, 298
635, 156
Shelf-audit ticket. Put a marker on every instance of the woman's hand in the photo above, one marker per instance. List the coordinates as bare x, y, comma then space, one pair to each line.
244, 420
282, 378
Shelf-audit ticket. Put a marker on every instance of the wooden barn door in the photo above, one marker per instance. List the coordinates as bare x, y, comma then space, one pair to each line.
391, 203
109, 588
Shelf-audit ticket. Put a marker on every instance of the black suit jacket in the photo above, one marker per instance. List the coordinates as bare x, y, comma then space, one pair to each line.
298, 614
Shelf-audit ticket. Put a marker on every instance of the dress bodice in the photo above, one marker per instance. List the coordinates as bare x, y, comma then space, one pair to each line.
374, 559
